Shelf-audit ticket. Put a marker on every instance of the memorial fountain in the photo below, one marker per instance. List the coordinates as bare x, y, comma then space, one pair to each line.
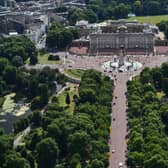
120, 64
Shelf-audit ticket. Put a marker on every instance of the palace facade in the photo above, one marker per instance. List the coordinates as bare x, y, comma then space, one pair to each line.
120, 40
114, 35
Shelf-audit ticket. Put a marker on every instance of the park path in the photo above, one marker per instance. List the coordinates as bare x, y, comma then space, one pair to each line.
19, 139
118, 123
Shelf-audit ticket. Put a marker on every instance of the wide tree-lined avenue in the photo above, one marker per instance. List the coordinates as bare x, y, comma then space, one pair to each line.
118, 123
118, 147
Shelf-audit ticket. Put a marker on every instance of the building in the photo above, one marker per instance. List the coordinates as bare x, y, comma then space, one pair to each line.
111, 36
122, 38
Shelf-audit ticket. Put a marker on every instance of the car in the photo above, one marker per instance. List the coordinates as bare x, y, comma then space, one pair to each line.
113, 151
120, 165
126, 137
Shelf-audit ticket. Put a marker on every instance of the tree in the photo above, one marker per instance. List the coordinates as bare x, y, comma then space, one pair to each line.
146, 76
78, 142
137, 7
35, 137
10, 74
164, 69
36, 118
67, 37
97, 164
17, 46
157, 78
121, 11
54, 131
162, 25
152, 8
164, 116
92, 17
146, 145
20, 125
47, 153
75, 15
68, 100
135, 159
137, 144
36, 103
75, 160
59, 37
6, 144
16, 161
3, 63
165, 85
17, 61
87, 95
33, 60
156, 161
44, 94
1, 131
32, 87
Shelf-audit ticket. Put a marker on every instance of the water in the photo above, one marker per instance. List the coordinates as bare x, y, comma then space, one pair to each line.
111, 66
8, 119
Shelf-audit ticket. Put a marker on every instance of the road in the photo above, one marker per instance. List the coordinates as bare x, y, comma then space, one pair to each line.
118, 122
119, 125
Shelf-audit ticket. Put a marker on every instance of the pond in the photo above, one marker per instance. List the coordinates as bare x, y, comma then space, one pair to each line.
12, 110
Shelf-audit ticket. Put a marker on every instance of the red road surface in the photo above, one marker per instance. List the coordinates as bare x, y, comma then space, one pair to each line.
119, 126
118, 142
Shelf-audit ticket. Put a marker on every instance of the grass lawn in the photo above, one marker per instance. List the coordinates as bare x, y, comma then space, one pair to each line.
43, 59
75, 73
72, 90
150, 19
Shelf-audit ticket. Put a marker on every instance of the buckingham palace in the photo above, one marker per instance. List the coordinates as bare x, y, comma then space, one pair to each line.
114, 35
122, 40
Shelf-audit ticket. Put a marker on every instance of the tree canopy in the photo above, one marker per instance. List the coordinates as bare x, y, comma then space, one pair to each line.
59, 37
100, 10
78, 140
147, 112
17, 49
